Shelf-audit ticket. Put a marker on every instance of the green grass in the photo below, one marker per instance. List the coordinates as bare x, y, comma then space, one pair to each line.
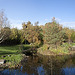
12, 54
73, 44
5, 50
60, 50
63, 49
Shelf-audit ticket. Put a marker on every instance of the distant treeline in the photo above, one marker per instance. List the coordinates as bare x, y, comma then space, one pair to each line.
51, 33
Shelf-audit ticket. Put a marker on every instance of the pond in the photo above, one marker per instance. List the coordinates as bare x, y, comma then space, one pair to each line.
44, 65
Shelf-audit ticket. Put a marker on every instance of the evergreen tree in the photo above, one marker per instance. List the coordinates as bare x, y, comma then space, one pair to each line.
53, 33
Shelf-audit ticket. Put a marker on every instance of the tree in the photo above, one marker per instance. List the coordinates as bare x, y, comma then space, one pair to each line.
4, 27
27, 29
14, 34
68, 33
53, 33
73, 36
14, 37
32, 32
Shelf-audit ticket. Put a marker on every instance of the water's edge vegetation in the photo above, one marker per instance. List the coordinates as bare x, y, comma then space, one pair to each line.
14, 54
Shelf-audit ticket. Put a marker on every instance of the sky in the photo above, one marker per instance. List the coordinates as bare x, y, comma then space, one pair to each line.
19, 11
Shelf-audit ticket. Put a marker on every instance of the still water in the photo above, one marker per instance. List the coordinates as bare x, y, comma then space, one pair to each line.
44, 65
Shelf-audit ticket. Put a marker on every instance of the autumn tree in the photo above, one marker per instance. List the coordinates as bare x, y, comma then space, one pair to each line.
4, 27
14, 36
73, 36
32, 32
27, 29
68, 33
37, 33
53, 33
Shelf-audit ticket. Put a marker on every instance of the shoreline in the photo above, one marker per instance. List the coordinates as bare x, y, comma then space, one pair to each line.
54, 54
45, 53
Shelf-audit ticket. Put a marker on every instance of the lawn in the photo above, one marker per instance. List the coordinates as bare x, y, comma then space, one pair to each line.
6, 50
12, 53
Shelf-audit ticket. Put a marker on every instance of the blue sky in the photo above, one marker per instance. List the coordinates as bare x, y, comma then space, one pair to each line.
19, 11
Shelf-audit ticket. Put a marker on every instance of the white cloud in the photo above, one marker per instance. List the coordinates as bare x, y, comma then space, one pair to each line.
58, 19
16, 23
69, 24
46, 19
19, 26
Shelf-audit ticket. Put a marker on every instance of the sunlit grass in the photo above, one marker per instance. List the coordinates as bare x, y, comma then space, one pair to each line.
12, 54
63, 49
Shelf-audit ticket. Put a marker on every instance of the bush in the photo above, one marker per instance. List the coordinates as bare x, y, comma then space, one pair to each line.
60, 50
73, 37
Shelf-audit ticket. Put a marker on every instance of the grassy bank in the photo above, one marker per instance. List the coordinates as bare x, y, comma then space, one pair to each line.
12, 54
60, 50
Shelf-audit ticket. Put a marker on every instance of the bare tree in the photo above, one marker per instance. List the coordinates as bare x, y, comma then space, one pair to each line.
4, 27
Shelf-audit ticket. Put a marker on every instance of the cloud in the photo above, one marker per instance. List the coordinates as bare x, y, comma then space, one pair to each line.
19, 26
58, 19
16, 23
46, 19
69, 24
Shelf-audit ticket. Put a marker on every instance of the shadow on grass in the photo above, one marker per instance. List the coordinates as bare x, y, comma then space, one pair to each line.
16, 49
6, 53
6, 50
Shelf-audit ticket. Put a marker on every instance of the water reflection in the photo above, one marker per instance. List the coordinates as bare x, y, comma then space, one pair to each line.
69, 71
44, 65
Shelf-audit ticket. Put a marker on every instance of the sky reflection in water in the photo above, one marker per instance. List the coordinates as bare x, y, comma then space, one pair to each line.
44, 66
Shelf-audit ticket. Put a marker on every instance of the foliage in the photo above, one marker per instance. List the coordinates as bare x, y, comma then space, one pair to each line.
53, 33
13, 59
68, 33
44, 47
14, 37
73, 36
63, 49
14, 34
32, 33
4, 27
60, 50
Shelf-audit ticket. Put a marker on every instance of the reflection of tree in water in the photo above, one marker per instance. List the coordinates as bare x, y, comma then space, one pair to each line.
49, 64
69, 66
73, 60
55, 64
30, 65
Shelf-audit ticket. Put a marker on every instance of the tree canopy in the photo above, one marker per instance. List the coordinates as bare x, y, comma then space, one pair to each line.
4, 27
